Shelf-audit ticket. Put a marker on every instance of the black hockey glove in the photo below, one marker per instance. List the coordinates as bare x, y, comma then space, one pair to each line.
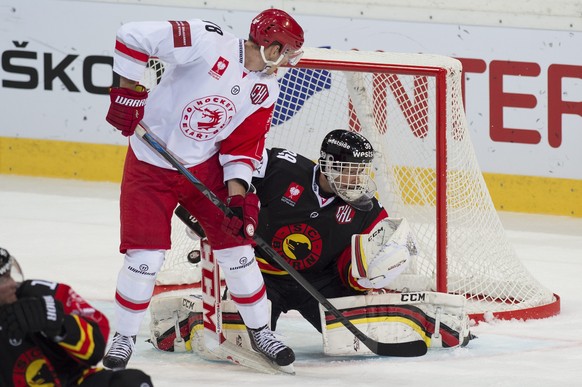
32, 315
36, 289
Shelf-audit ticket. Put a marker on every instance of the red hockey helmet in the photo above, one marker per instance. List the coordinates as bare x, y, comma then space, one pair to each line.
277, 26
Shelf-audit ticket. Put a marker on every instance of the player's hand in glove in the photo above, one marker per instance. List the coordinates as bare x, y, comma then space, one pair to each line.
246, 216
127, 108
32, 315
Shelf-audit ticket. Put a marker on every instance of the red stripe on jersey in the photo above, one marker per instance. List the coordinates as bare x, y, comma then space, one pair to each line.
131, 305
382, 215
250, 299
248, 139
137, 55
182, 34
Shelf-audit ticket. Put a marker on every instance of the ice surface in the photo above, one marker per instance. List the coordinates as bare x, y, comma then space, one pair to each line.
68, 231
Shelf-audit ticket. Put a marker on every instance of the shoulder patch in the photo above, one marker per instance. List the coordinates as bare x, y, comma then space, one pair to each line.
259, 93
182, 34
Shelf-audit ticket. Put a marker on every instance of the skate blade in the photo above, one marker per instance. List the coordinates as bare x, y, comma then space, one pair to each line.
288, 369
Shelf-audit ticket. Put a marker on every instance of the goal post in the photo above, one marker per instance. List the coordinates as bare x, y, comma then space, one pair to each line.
410, 107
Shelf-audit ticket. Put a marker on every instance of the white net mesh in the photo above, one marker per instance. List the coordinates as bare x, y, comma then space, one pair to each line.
410, 108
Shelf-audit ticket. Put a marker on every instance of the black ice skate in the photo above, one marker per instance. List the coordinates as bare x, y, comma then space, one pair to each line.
120, 352
264, 341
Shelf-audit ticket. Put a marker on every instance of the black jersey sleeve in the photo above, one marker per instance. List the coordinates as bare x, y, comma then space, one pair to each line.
259, 176
86, 328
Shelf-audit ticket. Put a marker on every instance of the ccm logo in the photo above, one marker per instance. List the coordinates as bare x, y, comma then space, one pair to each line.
375, 234
412, 297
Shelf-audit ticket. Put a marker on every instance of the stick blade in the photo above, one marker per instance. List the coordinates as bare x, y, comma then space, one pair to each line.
409, 349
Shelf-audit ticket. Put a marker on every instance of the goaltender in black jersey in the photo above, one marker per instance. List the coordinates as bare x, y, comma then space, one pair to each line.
309, 213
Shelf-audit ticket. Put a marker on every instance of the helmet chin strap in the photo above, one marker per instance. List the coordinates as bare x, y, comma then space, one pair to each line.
269, 64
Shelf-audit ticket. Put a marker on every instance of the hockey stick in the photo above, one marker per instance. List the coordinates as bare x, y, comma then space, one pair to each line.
409, 349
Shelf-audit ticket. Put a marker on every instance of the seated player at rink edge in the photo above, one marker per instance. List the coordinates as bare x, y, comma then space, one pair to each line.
51, 336
212, 110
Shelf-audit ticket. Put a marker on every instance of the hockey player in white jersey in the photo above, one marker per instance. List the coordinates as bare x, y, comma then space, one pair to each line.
212, 110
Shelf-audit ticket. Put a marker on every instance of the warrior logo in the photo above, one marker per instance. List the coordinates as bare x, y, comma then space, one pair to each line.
300, 245
204, 118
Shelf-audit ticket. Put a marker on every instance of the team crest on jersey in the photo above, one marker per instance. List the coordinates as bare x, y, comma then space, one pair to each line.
204, 118
292, 194
33, 369
344, 214
259, 93
219, 68
300, 245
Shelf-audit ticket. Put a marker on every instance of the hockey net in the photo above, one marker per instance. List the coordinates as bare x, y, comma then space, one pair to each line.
410, 107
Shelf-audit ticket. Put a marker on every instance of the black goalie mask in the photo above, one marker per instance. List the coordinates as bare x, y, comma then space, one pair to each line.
346, 161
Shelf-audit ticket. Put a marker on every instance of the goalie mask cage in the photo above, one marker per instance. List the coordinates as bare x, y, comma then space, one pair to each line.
410, 108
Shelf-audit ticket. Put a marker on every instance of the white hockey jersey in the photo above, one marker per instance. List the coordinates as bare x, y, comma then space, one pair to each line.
206, 102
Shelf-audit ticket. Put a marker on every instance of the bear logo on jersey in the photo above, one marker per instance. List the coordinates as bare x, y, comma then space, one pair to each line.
300, 245
33, 369
204, 118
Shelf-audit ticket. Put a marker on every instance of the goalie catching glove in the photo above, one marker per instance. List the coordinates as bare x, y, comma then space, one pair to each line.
382, 255
127, 108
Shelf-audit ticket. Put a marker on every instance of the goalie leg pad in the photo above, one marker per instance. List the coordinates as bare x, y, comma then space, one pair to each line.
187, 311
233, 327
438, 319
168, 318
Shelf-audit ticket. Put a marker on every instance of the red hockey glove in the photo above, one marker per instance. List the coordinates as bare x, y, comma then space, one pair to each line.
246, 215
126, 109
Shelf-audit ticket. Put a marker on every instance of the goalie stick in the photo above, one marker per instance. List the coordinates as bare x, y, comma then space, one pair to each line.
408, 349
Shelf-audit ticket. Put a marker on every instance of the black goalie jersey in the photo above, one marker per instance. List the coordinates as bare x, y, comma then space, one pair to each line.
310, 229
